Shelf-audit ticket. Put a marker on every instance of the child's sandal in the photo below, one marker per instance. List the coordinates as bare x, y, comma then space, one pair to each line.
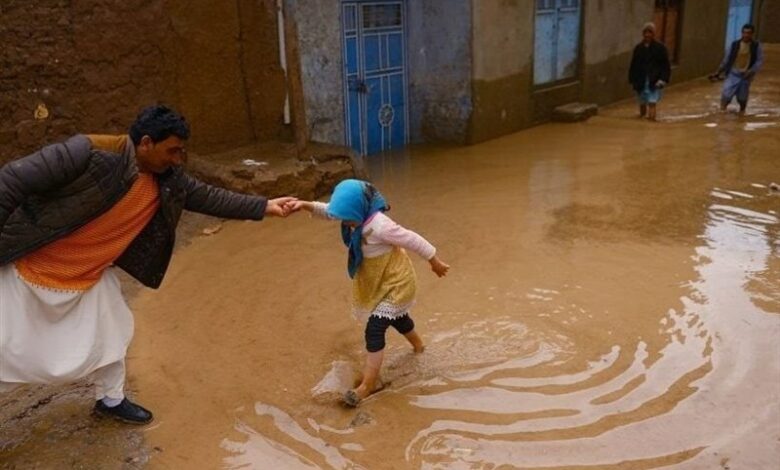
351, 399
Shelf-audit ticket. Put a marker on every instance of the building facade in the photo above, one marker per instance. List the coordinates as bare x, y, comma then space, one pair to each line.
379, 74
374, 75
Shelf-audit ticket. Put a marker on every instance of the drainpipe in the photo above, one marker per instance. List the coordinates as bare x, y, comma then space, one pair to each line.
283, 58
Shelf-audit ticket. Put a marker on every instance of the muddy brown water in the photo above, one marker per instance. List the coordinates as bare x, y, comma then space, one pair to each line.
614, 303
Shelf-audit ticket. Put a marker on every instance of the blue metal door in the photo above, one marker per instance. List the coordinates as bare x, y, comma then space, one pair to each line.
375, 75
740, 13
556, 40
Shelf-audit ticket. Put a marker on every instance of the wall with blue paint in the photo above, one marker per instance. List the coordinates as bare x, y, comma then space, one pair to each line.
439, 65
470, 62
319, 40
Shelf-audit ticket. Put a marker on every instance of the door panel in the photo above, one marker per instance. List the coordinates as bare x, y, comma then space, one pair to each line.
556, 40
568, 39
376, 82
740, 13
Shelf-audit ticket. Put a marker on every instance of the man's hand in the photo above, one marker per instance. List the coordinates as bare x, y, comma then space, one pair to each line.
279, 207
438, 266
660, 84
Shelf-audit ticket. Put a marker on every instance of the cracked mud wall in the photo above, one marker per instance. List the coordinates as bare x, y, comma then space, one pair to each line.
69, 66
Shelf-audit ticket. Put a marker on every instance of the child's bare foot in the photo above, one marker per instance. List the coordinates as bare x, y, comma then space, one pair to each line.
419, 349
354, 397
351, 399
370, 382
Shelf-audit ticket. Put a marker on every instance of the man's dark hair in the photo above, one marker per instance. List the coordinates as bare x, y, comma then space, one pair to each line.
159, 122
749, 26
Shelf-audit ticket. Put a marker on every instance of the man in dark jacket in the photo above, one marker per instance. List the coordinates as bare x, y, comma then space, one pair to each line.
649, 72
68, 214
740, 65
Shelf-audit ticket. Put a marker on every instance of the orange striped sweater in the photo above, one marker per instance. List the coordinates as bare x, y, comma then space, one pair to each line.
77, 261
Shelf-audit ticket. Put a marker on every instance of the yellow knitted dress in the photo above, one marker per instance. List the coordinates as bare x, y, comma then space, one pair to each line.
384, 286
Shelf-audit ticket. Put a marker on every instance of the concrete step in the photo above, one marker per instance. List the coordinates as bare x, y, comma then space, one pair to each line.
574, 112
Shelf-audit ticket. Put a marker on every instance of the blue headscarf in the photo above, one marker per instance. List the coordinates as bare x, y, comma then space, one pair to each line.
355, 201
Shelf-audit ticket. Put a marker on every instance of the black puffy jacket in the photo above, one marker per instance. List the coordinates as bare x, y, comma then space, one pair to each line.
53, 192
649, 62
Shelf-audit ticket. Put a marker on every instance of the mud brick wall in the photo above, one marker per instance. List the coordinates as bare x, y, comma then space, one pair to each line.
69, 66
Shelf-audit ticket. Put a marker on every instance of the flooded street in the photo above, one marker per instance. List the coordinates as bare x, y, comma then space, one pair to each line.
614, 303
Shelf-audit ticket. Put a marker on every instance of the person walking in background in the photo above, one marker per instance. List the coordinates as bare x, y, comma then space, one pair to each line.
742, 61
649, 72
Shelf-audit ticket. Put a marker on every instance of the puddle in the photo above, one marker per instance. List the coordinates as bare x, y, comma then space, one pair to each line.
614, 303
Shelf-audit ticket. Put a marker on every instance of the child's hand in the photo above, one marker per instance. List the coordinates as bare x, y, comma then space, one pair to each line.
296, 206
439, 267
279, 207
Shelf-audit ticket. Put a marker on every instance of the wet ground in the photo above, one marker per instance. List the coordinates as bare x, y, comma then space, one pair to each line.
51, 427
614, 303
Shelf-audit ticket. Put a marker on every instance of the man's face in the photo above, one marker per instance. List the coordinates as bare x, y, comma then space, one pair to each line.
648, 35
747, 34
158, 157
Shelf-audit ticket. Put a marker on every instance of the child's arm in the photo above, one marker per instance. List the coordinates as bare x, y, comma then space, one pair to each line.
317, 209
394, 234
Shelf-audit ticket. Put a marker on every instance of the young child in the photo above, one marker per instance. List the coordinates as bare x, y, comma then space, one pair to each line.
384, 282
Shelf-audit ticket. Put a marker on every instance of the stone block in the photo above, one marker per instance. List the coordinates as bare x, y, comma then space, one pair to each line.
574, 112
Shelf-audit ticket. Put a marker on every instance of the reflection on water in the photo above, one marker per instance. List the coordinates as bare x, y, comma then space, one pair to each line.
651, 398
261, 451
752, 126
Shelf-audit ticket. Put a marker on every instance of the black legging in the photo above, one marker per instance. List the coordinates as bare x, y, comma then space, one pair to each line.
376, 327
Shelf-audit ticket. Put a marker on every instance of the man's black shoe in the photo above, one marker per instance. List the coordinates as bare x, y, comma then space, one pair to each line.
126, 411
